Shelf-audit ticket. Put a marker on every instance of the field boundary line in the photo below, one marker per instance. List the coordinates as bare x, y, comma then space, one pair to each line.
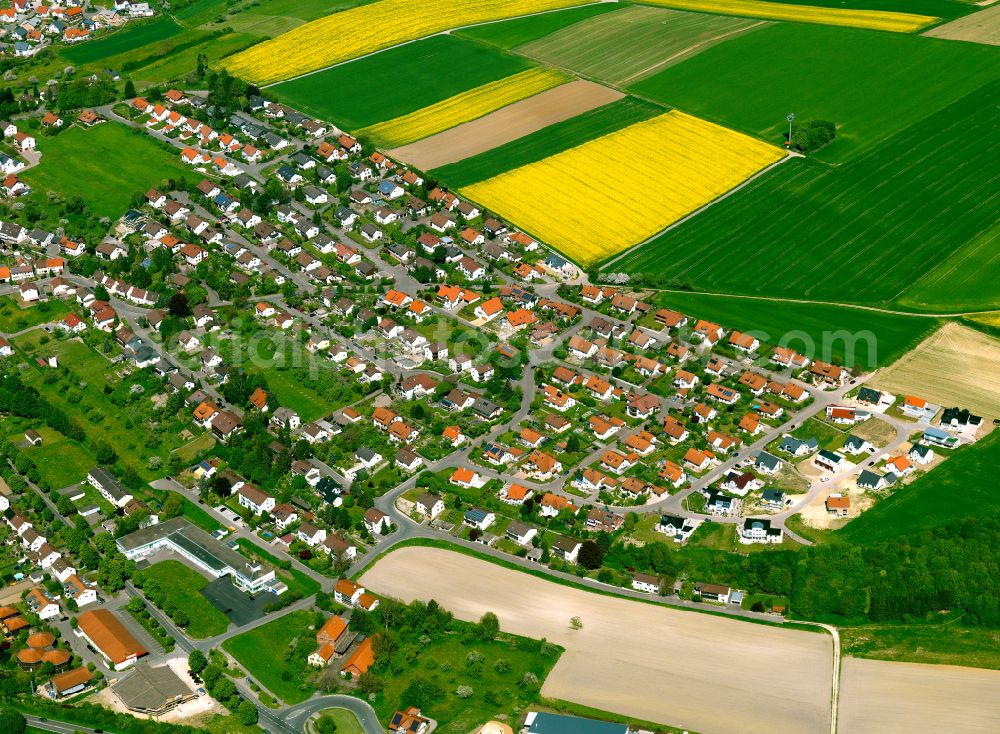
788, 156
694, 50
807, 301
447, 32
837, 664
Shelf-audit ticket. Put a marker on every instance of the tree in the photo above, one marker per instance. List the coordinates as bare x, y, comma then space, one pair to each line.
368, 683
197, 661
576, 623
129, 89
224, 689
489, 627
812, 135
11, 721
173, 506
591, 555
247, 713
179, 306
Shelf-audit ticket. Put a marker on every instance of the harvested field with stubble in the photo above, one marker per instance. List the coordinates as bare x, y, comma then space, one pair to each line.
507, 124
956, 365
683, 669
878, 696
981, 27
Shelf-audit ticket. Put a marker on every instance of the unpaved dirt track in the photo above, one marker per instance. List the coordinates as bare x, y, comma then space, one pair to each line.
509, 123
980, 27
955, 365
705, 673
878, 696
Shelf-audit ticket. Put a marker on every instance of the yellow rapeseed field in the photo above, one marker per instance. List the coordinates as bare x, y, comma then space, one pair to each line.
463, 107
362, 30
872, 19
602, 197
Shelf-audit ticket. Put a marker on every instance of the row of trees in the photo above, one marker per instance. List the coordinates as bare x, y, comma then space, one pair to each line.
953, 567
221, 686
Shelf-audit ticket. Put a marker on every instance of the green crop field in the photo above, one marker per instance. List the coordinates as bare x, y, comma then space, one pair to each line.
939, 8
965, 281
180, 63
511, 33
264, 17
105, 165
547, 141
963, 485
262, 652
271, 9
182, 587
398, 81
812, 329
132, 37
623, 47
864, 232
871, 84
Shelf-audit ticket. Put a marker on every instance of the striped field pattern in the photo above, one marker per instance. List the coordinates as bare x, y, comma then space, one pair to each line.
463, 107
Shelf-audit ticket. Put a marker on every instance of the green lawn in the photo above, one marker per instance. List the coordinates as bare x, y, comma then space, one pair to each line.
863, 232
620, 48
182, 586
547, 141
510, 33
302, 396
200, 517
398, 81
15, 317
813, 329
871, 84
344, 721
196, 446
262, 652
105, 165
60, 461
932, 644
963, 485
133, 36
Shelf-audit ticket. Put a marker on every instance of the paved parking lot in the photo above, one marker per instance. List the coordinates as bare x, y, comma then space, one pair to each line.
234, 603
